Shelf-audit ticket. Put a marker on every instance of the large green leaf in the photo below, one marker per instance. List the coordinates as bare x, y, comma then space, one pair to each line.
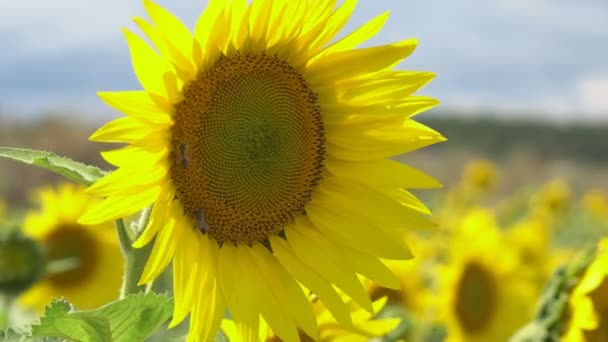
133, 318
79, 172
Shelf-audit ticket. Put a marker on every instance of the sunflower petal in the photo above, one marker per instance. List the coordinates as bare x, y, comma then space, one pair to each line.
327, 261
137, 104
312, 280
346, 64
113, 208
148, 66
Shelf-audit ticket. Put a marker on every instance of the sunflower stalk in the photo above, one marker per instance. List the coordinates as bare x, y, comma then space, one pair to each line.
123, 237
553, 306
136, 259
6, 304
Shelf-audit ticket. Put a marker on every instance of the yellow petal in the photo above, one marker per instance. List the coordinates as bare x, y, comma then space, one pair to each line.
325, 260
386, 88
113, 208
383, 173
134, 156
158, 219
356, 232
147, 65
363, 202
177, 36
242, 300
163, 251
360, 143
123, 130
358, 36
267, 301
185, 270
334, 24
138, 105
127, 181
346, 64
287, 290
354, 116
311, 279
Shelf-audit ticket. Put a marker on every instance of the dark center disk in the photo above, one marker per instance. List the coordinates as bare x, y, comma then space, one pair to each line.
72, 241
247, 148
475, 298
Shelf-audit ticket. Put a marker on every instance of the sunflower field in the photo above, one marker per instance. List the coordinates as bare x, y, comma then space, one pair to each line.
272, 180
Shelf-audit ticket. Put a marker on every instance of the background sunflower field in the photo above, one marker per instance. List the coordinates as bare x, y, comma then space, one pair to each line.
518, 250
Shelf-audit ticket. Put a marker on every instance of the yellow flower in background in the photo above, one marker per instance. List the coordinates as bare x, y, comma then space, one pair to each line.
552, 200
595, 204
589, 302
480, 175
263, 144
532, 238
96, 279
364, 328
483, 295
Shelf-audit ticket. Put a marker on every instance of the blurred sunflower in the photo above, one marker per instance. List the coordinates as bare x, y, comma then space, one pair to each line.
480, 175
589, 302
263, 144
553, 200
364, 328
96, 279
483, 295
595, 204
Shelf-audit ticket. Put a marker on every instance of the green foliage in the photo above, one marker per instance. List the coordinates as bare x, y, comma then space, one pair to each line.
78, 172
133, 318
582, 142
11, 335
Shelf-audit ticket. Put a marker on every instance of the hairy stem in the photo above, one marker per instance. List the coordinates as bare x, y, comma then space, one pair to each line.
136, 260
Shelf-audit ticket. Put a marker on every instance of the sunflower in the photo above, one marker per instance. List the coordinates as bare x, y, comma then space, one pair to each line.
365, 326
96, 280
480, 176
553, 200
263, 143
484, 295
595, 205
589, 302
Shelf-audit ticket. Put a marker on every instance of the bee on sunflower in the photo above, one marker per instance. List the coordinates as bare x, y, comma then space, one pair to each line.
263, 144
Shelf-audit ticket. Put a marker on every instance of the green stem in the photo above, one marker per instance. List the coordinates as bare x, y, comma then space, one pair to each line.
123, 237
136, 260
6, 304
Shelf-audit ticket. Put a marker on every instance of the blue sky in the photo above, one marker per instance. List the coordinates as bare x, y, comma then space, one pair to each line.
514, 57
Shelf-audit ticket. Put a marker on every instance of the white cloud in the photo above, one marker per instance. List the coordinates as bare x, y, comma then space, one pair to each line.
593, 95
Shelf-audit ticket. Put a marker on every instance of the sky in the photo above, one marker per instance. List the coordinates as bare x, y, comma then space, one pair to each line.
546, 59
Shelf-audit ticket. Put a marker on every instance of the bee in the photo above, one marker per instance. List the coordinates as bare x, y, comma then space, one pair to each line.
183, 158
201, 222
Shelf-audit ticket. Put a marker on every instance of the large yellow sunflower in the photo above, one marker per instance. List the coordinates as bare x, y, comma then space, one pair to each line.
97, 277
263, 143
589, 302
484, 295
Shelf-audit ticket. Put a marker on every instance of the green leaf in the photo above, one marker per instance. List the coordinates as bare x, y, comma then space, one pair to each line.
78, 172
133, 318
